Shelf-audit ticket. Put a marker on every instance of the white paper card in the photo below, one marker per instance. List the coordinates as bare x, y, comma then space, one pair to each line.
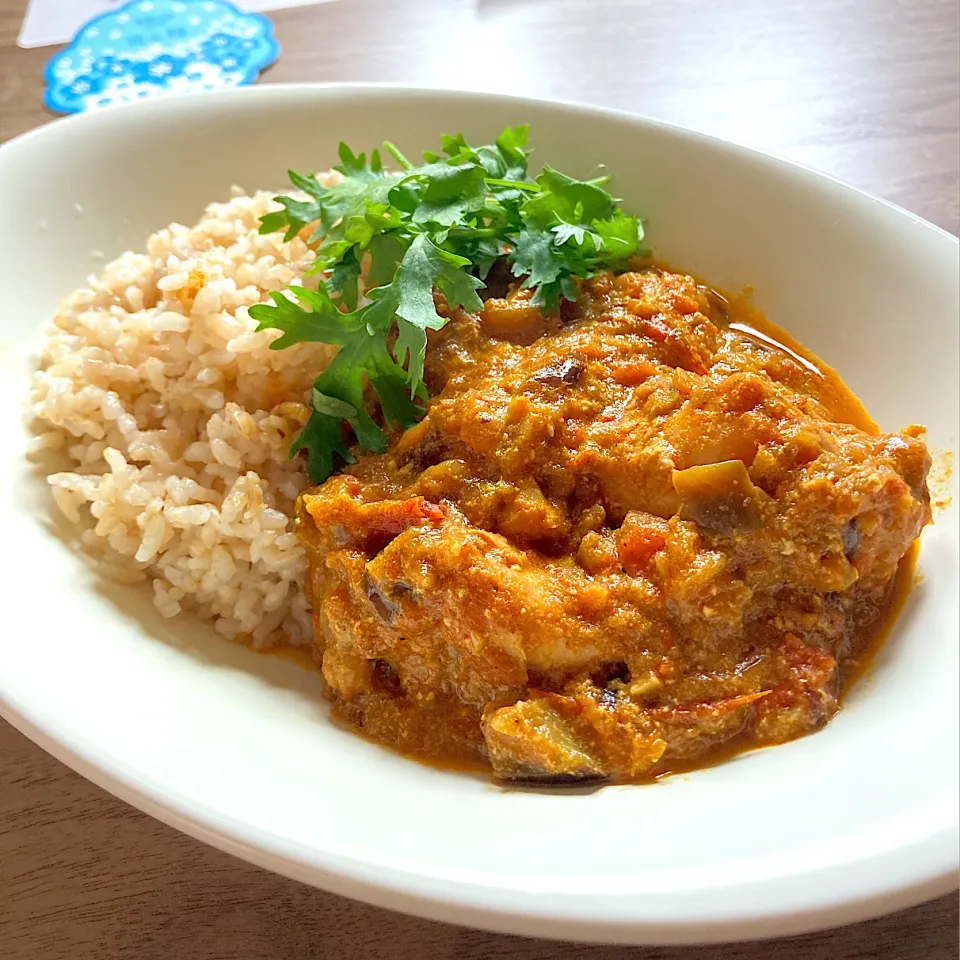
56, 21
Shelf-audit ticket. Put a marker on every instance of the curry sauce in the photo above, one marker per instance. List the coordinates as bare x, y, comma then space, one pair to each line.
628, 539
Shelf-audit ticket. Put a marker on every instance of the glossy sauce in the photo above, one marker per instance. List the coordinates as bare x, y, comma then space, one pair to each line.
825, 383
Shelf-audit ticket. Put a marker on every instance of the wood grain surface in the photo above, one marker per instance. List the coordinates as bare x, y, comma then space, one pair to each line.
866, 90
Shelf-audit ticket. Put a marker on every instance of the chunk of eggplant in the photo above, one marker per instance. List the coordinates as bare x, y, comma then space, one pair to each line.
530, 742
567, 372
719, 497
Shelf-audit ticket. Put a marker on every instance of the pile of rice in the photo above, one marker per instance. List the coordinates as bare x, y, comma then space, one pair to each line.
175, 419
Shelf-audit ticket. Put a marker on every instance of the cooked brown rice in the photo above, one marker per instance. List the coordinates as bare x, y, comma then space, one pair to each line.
176, 418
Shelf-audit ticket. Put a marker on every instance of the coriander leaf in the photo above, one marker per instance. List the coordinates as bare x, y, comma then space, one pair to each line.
390, 383
506, 159
491, 159
363, 183
349, 198
322, 438
423, 267
547, 295
620, 235
416, 312
560, 198
564, 231
322, 323
446, 192
445, 180
386, 252
309, 184
382, 216
379, 313
331, 406
275, 221
395, 402
358, 230
404, 197
345, 278
537, 257
330, 249
344, 380
410, 348
451, 146
484, 255
446, 213
511, 143
295, 215
356, 167
459, 287
343, 201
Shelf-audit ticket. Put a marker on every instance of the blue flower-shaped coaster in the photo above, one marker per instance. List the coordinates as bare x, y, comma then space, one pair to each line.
153, 48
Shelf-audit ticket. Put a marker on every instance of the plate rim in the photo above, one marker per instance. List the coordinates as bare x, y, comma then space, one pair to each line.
470, 904
463, 902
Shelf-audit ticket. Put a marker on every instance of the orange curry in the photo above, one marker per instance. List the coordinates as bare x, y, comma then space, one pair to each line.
622, 540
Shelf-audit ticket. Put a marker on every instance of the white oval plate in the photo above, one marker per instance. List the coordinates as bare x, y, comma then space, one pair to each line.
236, 749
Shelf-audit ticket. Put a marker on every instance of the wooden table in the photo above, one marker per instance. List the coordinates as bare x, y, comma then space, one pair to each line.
864, 89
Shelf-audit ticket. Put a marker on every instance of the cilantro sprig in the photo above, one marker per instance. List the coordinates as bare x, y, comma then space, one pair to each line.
386, 240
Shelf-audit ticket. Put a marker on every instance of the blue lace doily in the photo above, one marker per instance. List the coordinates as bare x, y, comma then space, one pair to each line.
152, 48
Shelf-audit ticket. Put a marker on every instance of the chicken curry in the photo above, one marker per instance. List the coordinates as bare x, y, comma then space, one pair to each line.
625, 538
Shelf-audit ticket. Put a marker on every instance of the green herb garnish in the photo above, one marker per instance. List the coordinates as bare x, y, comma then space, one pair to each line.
439, 226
